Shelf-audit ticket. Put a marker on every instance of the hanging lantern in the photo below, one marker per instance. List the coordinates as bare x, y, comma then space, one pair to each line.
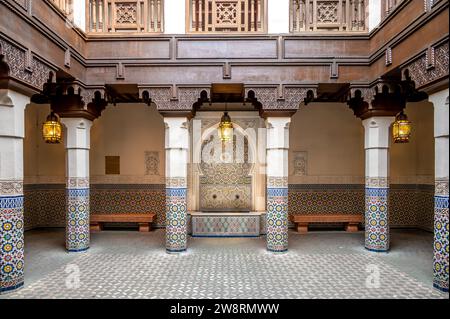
225, 128
51, 130
401, 129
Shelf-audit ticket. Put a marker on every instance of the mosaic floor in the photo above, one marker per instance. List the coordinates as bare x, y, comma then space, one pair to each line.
128, 264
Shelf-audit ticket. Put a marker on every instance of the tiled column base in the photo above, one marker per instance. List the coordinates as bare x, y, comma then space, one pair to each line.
77, 228
11, 240
377, 221
441, 242
176, 215
277, 219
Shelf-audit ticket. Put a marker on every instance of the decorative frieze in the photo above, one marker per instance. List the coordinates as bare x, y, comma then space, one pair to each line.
277, 182
11, 187
421, 72
377, 182
272, 98
77, 183
24, 66
176, 182
441, 188
176, 99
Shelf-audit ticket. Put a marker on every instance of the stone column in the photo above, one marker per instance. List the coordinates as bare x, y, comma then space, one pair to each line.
441, 225
377, 135
12, 117
277, 183
77, 176
177, 147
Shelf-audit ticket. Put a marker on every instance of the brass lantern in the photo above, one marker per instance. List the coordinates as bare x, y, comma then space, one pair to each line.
401, 129
52, 130
225, 128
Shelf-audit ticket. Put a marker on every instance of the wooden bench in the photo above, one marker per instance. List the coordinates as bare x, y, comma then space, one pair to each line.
144, 220
351, 221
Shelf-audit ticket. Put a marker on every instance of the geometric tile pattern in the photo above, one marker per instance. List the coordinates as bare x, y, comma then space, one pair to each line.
326, 199
277, 219
11, 235
377, 221
77, 228
225, 226
11, 243
230, 269
176, 229
130, 198
409, 205
441, 243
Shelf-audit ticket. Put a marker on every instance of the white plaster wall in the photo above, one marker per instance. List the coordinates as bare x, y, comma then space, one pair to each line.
175, 16
278, 16
330, 133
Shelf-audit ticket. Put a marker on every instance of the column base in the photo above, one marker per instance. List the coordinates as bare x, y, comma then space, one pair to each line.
7, 290
77, 250
176, 251
377, 250
277, 251
440, 288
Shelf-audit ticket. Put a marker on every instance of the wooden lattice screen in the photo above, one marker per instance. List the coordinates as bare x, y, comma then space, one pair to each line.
226, 16
64, 5
125, 16
328, 15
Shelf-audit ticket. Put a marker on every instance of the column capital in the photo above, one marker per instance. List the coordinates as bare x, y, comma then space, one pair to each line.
377, 131
78, 133
12, 113
440, 102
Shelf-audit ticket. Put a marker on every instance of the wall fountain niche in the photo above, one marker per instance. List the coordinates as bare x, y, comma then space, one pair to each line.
225, 174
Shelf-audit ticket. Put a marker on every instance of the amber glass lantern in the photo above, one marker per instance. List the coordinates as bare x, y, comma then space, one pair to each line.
225, 128
51, 130
401, 129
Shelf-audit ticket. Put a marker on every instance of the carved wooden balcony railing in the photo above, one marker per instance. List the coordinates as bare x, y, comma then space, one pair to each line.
328, 15
66, 6
387, 6
125, 16
222, 16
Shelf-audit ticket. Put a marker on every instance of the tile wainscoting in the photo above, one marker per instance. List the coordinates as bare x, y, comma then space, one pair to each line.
410, 205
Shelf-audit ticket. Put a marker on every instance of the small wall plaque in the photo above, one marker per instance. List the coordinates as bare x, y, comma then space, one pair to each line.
112, 165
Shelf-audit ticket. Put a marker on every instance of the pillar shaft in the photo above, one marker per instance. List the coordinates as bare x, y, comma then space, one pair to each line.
277, 183
12, 116
377, 182
77, 187
441, 218
177, 147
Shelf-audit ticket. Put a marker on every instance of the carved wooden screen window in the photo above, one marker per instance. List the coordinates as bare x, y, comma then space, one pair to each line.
64, 5
328, 15
227, 16
125, 15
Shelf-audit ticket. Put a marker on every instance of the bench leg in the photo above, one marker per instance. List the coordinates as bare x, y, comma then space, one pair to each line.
96, 227
302, 228
351, 227
144, 227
